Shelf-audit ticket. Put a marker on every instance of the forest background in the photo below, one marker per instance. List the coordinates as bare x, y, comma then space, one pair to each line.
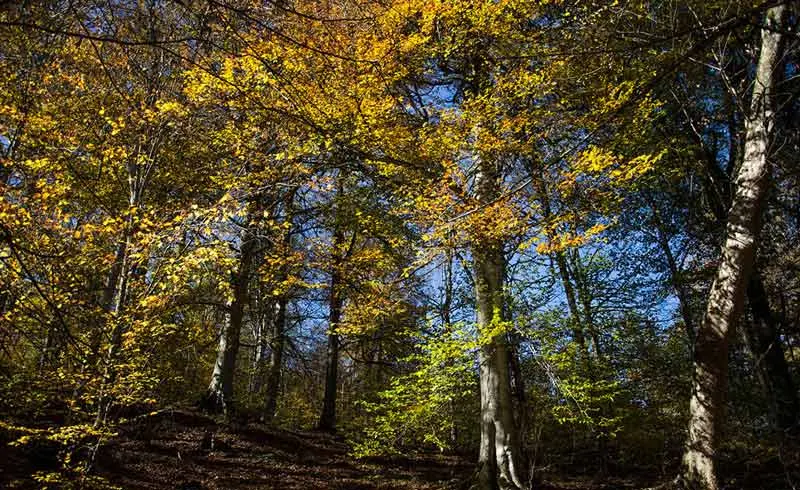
560, 235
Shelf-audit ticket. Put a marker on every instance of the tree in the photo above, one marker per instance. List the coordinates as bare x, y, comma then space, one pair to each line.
219, 396
727, 294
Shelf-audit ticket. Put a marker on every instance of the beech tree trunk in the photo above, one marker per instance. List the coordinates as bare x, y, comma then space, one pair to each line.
262, 328
500, 457
277, 332
727, 294
219, 397
114, 297
327, 419
762, 336
276, 345
579, 274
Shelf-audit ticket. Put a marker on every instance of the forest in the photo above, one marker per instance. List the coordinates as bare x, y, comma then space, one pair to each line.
400, 244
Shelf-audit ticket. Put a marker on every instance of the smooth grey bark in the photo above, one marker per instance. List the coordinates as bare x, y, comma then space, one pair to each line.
262, 327
499, 458
219, 396
726, 298
762, 333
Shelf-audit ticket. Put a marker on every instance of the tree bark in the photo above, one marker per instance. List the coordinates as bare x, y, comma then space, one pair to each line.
580, 275
762, 337
499, 458
114, 297
276, 345
262, 328
327, 419
572, 304
277, 331
219, 396
728, 290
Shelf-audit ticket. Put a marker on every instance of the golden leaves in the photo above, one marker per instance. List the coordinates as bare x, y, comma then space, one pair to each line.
560, 241
598, 161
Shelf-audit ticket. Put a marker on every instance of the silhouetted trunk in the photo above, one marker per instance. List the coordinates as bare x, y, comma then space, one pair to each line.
276, 345
219, 396
767, 350
579, 272
277, 332
327, 420
569, 292
572, 304
499, 458
676, 280
447, 303
518, 385
50, 347
728, 290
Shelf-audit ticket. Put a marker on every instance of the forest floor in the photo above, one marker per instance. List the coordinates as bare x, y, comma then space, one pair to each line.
187, 450
174, 453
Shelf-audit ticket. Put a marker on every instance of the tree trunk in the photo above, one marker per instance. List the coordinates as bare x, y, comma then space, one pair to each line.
518, 391
114, 297
499, 458
277, 335
572, 304
566, 283
327, 420
581, 278
762, 337
678, 284
262, 328
276, 345
447, 303
728, 291
219, 396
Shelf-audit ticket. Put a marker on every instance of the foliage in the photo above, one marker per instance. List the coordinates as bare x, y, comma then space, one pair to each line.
424, 407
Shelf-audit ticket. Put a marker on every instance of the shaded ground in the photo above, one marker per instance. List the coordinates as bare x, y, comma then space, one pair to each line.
171, 450
182, 449
187, 450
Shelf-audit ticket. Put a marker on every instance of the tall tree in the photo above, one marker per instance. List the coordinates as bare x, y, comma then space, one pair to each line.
339, 252
726, 298
220, 394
